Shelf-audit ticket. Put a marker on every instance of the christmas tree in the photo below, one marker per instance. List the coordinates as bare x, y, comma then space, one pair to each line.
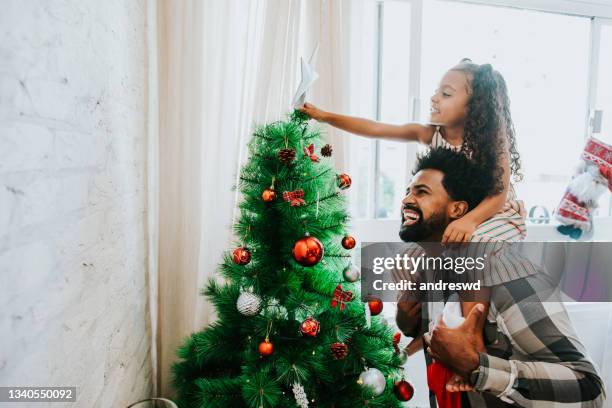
291, 328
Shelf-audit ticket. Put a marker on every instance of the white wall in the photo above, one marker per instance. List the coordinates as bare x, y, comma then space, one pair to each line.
73, 115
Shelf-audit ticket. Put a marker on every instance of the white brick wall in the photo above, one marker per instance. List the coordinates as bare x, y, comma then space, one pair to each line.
73, 115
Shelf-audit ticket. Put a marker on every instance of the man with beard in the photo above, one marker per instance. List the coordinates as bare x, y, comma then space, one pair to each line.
532, 355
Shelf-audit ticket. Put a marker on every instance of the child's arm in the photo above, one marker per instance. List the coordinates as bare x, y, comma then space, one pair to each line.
461, 229
411, 132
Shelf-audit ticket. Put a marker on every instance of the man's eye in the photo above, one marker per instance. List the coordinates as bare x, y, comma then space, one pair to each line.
446, 94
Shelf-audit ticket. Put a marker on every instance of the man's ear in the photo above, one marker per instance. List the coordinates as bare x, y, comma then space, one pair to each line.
457, 209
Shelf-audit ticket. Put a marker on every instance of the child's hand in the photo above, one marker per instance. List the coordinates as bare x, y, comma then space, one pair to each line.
313, 112
456, 384
460, 230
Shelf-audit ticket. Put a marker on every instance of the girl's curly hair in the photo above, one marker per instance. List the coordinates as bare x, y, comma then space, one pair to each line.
489, 131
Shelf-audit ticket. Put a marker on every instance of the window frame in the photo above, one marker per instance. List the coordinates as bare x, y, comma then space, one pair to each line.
599, 12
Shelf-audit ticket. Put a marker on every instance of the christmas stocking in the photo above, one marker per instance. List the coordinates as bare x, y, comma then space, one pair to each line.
438, 375
592, 177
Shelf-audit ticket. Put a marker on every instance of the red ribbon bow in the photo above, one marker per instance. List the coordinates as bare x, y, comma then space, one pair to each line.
309, 151
396, 340
341, 296
295, 198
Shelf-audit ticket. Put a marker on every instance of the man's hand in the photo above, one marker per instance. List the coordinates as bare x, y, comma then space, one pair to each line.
458, 348
460, 230
408, 317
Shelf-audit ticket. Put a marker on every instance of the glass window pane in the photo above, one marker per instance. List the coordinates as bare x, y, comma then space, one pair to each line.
362, 54
537, 53
604, 101
395, 105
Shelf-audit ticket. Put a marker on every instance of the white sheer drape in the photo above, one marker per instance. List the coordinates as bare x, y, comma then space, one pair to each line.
225, 66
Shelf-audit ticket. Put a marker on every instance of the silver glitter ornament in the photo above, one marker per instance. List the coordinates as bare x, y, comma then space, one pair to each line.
373, 379
248, 303
300, 396
351, 274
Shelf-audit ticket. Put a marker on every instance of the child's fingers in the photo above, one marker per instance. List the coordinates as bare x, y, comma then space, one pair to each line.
452, 387
453, 236
465, 387
446, 235
453, 383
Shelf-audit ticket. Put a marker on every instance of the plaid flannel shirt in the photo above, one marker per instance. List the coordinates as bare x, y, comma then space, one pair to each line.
533, 356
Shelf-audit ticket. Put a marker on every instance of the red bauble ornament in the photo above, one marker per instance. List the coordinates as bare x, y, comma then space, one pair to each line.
268, 195
344, 181
266, 347
376, 306
242, 256
310, 327
307, 251
349, 242
403, 390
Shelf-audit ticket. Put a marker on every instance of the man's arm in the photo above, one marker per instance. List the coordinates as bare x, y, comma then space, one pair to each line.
558, 369
408, 317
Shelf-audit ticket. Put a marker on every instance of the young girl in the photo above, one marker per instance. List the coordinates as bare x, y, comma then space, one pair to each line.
469, 113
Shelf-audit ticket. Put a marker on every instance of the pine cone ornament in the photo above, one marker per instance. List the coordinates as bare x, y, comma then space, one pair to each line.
286, 156
339, 350
326, 151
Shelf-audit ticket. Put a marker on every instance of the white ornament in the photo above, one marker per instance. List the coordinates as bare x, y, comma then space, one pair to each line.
248, 303
368, 317
351, 274
300, 395
373, 379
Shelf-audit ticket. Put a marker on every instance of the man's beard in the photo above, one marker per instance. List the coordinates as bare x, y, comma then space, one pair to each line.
422, 229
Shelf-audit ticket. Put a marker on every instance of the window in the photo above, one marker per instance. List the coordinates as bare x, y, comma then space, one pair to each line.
603, 90
548, 65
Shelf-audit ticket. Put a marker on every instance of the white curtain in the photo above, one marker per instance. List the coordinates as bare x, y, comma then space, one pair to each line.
225, 66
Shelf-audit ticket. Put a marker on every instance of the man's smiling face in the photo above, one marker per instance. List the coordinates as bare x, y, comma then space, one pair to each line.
425, 207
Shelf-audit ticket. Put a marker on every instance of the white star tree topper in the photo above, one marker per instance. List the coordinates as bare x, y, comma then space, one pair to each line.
309, 76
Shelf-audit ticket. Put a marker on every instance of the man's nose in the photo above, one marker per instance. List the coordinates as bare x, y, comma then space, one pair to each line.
434, 98
408, 199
